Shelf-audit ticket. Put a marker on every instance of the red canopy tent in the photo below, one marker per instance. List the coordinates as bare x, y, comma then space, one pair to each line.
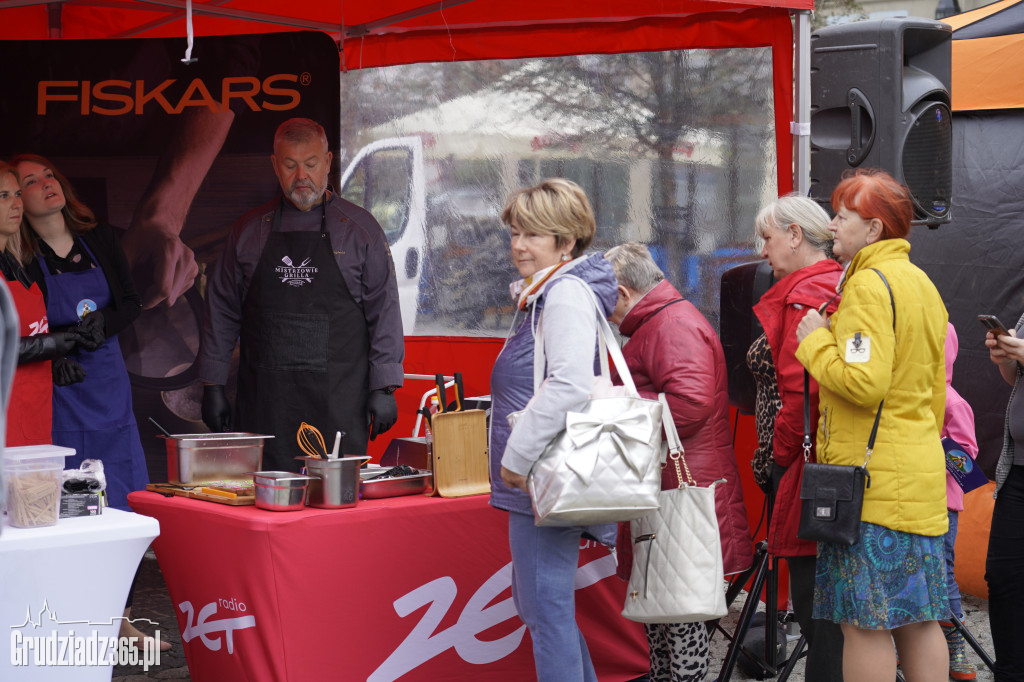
391, 32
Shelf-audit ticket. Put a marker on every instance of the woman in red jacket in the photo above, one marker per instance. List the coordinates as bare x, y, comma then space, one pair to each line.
798, 246
673, 350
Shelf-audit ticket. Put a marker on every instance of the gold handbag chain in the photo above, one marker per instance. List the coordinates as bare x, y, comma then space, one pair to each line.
676, 457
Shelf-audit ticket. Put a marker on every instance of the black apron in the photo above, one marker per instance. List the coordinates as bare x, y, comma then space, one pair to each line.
304, 348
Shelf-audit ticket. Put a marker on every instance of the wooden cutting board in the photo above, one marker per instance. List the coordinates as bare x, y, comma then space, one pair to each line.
197, 494
459, 457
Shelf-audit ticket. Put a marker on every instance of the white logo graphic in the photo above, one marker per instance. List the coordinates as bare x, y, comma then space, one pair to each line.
56, 649
40, 327
424, 643
295, 275
202, 627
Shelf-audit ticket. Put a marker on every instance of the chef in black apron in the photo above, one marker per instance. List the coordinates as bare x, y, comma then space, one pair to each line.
307, 285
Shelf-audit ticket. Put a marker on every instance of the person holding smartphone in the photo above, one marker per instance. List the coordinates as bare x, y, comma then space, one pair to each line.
1005, 562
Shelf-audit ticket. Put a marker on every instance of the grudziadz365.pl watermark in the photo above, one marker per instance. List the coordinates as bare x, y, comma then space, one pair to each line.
78, 650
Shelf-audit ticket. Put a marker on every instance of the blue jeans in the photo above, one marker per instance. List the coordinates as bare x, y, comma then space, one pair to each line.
544, 563
949, 541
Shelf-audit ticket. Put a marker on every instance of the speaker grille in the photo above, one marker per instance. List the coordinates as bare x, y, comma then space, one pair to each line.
927, 160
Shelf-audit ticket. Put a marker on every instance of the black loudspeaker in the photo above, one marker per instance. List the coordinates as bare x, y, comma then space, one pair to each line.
742, 287
880, 99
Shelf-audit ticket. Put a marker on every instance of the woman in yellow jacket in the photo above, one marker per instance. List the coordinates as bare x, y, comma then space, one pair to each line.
890, 584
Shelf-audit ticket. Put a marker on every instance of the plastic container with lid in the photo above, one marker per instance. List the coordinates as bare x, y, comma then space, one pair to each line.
32, 475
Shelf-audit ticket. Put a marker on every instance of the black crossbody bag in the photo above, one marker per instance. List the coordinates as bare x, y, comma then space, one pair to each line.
832, 495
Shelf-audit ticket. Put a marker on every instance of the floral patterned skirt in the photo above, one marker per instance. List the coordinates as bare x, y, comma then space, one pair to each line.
886, 579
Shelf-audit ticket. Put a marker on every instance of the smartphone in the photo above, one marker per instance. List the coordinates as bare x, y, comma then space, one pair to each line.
992, 323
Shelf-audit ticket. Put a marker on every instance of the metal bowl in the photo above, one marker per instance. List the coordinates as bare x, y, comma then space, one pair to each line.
281, 490
399, 485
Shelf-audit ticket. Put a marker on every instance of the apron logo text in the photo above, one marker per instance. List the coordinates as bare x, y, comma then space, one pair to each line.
295, 275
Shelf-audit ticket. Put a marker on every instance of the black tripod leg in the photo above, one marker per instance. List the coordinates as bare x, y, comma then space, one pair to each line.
747, 614
962, 629
771, 618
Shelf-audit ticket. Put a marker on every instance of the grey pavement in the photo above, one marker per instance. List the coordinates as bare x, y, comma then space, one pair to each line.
153, 602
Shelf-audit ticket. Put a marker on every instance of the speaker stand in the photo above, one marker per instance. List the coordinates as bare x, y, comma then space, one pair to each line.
765, 578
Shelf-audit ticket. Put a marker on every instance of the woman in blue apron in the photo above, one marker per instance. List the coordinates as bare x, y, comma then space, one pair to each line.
88, 286
85, 273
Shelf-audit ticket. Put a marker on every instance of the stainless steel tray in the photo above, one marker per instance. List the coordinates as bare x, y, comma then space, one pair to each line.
399, 485
195, 457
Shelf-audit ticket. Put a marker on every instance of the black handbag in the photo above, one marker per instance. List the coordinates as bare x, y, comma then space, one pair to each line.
832, 495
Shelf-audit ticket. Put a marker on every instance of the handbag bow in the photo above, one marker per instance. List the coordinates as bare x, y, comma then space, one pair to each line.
633, 424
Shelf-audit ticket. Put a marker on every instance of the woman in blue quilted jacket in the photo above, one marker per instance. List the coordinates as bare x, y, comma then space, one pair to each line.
550, 226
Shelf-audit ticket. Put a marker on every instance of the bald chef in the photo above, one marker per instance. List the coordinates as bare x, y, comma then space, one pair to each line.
306, 286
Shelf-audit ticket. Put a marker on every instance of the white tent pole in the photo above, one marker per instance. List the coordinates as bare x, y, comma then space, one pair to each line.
801, 126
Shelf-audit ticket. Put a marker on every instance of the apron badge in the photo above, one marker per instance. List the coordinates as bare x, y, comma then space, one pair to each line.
84, 307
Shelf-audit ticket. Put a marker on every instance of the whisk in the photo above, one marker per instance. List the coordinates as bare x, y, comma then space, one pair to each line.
311, 441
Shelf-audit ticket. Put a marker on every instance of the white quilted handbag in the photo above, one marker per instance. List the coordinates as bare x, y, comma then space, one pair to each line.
605, 466
677, 572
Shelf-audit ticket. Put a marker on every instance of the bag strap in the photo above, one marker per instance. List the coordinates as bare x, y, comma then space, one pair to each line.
878, 414
606, 341
675, 445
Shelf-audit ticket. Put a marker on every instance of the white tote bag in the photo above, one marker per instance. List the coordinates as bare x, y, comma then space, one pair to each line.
604, 466
677, 572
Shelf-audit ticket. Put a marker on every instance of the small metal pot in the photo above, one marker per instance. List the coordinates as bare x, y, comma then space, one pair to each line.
281, 490
335, 483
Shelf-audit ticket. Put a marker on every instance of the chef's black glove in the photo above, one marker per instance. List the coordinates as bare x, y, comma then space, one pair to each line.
216, 409
66, 372
382, 411
90, 331
46, 346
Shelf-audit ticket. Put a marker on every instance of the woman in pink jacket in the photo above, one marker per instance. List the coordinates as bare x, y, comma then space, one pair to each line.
673, 350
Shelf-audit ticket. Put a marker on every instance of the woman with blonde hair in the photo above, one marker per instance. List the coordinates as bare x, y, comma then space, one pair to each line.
29, 414
550, 226
880, 355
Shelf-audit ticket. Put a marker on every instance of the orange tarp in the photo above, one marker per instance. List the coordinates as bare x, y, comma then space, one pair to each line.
988, 63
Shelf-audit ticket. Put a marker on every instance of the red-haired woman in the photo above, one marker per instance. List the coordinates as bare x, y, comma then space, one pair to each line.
885, 341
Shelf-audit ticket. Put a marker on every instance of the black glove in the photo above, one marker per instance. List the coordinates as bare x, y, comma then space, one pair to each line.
66, 372
382, 411
216, 409
46, 346
90, 331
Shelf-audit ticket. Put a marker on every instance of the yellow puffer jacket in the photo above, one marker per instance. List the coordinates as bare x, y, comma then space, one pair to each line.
907, 468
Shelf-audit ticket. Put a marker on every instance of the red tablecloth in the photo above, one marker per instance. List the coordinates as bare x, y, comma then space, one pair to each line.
411, 588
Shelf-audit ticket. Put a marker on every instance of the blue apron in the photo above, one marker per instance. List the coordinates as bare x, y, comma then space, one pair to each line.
95, 416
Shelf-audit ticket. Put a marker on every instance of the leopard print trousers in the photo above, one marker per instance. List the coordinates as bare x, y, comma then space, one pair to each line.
680, 652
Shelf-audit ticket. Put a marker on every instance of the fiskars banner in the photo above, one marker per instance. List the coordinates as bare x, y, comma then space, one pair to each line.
170, 151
